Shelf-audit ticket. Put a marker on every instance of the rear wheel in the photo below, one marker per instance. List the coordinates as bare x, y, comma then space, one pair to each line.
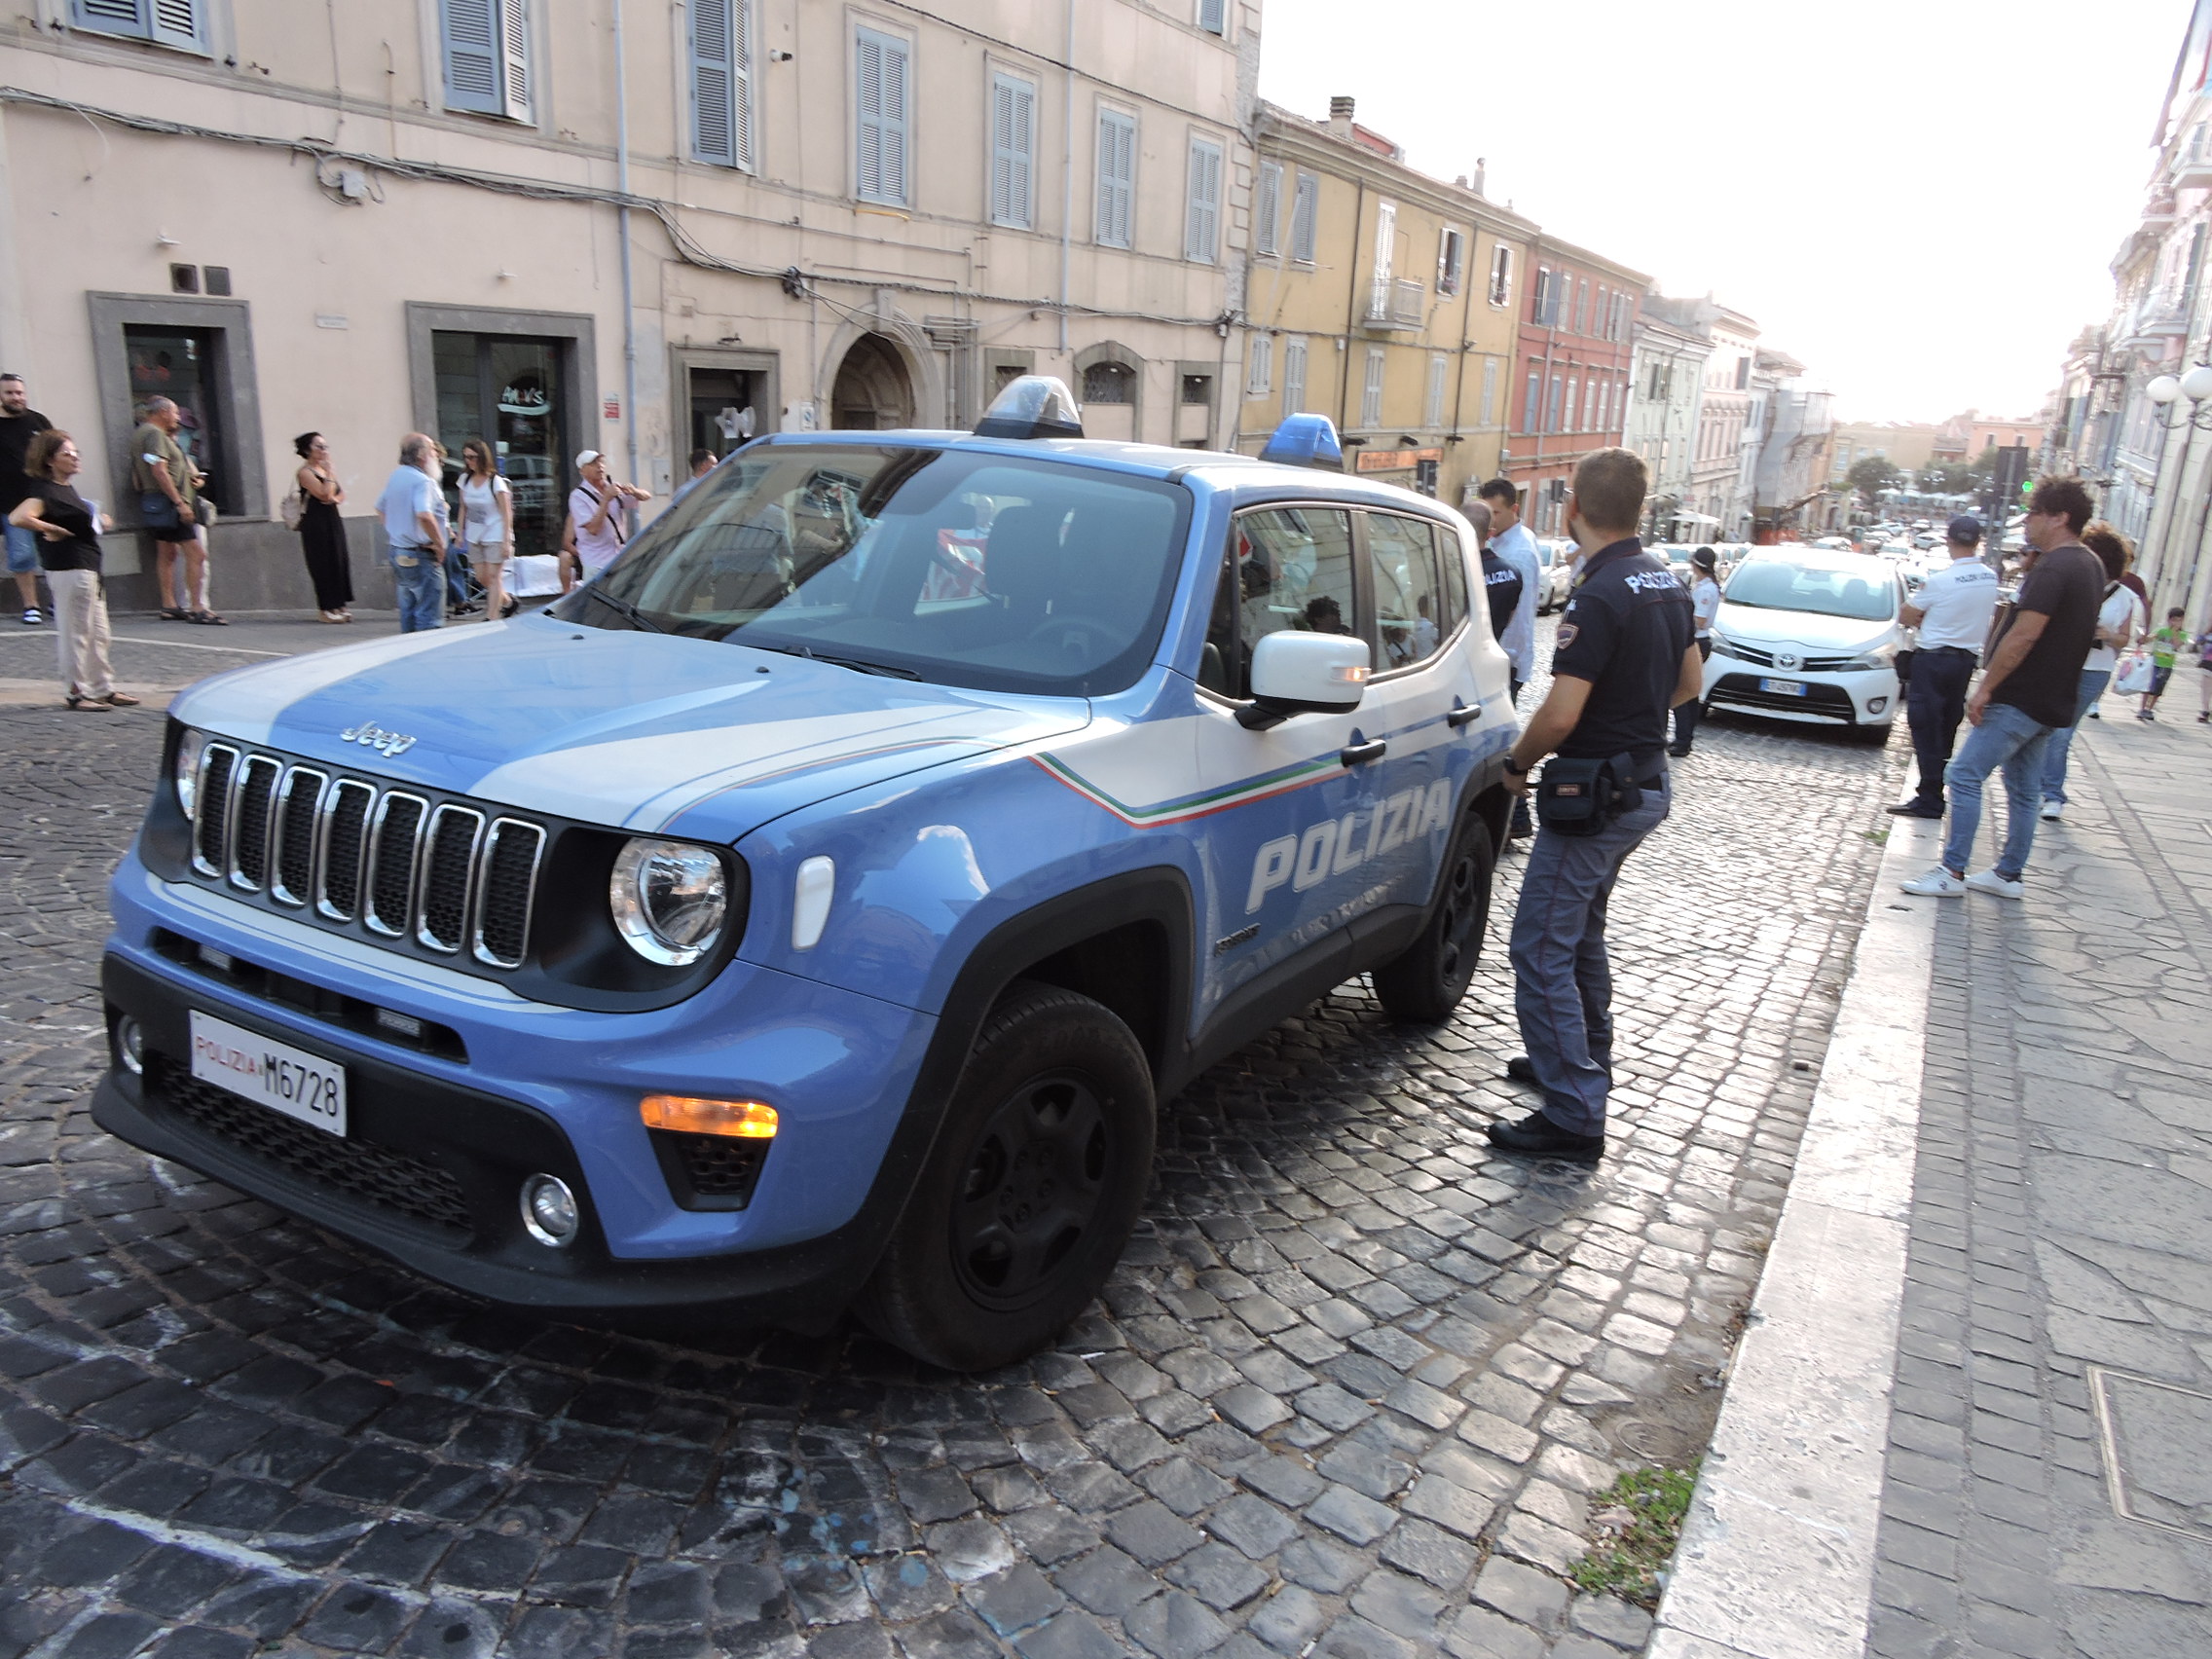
1427, 981
1030, 1193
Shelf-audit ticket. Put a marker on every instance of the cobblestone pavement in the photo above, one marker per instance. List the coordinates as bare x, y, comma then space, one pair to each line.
2054, 1372
1349, 1392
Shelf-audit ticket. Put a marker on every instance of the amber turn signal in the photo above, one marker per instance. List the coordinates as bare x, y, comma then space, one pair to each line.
747, 1120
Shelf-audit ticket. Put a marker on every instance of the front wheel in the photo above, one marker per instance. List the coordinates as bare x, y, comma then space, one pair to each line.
1029, 1194
1427, 980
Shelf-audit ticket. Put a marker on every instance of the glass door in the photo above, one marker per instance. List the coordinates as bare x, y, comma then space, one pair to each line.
509, 391
179, 364
726, 410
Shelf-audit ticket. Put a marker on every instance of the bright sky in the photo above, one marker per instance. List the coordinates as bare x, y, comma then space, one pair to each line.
1831, 169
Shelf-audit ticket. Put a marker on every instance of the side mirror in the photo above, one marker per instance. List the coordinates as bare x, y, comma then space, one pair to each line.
1296, 673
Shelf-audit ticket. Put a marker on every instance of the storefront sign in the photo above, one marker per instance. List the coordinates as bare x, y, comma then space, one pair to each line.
1395, 460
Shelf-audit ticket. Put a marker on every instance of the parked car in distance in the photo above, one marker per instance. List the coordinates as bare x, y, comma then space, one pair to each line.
1556, 559
1809, 636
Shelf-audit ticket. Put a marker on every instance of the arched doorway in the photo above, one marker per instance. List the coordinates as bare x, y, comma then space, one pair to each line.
873, 393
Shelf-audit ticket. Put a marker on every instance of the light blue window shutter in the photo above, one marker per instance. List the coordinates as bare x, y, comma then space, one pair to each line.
881, 72
1014, 125
713, 111
741, 83
1116, 178
472, 57
1305, 218
1267, 209
110, 17
1202, 229
514, 59
1213, 15
181, 24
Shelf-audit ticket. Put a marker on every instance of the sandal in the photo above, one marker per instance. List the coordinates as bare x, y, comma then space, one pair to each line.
208, 618
171, 614
84, 705
119, 700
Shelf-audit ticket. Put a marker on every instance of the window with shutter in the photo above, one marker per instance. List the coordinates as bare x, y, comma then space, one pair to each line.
1550, 407
1501, 276
1490, 391
1305, 217
1014, 126
514, 59
1451, 262
722, 85
1214, 16
1567, 416
880, 97
1116, 178
1260, 375
1267, 210
178, 23
1294, 375
1202, 224
1385, 254
1371, 394
1438, 368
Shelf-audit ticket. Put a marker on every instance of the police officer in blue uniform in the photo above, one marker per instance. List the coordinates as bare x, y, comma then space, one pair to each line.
1625, 655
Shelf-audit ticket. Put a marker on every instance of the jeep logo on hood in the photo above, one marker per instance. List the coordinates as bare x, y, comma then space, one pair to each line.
373, 736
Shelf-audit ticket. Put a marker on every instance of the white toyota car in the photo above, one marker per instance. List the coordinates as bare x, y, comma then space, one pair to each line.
1809, 635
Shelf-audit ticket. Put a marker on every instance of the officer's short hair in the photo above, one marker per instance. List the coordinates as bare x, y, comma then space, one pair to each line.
1478, 515
1500, 490
2063, 497
1610, 486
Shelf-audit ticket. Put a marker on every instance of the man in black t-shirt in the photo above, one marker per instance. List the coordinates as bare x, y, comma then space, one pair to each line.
1625, 654
2030, 686
20, 423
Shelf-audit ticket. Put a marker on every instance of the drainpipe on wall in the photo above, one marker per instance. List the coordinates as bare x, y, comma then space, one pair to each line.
629, 296
1067, 182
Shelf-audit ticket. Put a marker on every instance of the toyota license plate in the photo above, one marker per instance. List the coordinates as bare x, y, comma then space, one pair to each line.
1783, 688
274, 1075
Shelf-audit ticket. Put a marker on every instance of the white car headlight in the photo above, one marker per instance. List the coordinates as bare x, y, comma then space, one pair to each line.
185, 771
1885, 658
669, 899
1722, 644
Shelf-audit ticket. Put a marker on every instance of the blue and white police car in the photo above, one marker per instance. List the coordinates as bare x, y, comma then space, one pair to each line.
813, 911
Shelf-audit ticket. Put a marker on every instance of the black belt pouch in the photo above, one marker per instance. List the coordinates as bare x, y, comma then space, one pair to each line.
1575, 797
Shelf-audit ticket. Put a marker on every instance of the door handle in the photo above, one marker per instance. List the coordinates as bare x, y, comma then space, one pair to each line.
1357, 753
1461, 714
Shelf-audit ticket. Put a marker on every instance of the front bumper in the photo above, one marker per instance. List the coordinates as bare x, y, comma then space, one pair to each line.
430, 1175
1867, 697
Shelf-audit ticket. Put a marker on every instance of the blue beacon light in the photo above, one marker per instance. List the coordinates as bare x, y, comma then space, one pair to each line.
1306, 440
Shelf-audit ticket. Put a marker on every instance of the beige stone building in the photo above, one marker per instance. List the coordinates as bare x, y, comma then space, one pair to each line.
1381, 298
563, 225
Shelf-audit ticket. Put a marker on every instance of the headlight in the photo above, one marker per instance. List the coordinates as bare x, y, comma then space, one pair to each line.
1722, 644
669, 899
186, 771
1886, 657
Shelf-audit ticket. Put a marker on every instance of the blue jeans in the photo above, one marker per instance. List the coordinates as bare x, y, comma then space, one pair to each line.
2005, 738
23, 550
422, 589
2093, 684
457, 575
1563, 981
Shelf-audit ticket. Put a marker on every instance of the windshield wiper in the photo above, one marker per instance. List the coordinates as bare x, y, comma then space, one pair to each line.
854, 663
623, 608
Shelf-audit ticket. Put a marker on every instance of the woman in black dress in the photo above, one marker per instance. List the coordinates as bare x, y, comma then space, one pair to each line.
68, 531
322, 538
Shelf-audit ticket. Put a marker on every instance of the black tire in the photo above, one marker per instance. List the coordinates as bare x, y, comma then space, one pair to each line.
1031, 1192
1427, 980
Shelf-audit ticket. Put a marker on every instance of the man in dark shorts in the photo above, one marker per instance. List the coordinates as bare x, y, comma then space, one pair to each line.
2029, 687
168, 497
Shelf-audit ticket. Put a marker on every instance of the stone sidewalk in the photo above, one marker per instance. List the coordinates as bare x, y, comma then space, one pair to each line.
2049, 1467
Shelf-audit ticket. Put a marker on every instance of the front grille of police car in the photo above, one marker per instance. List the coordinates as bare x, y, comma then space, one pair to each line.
395, 864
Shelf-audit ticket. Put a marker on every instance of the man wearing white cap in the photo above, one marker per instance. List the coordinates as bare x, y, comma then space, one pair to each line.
597, 508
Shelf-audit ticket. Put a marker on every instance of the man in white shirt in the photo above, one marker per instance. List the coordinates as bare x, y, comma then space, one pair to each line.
1952, 611
1510, 540
599, 511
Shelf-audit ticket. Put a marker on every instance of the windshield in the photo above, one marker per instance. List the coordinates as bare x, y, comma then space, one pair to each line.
963, 568
1865, 595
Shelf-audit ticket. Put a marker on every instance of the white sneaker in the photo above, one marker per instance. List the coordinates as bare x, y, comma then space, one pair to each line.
1989, 881
2053, 811
1937, 883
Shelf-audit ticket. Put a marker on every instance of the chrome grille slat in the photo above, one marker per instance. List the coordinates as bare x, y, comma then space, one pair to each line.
448, 879
341, 839
218, 768
291, 857
507, 888
447, 876
395, 850
254, 791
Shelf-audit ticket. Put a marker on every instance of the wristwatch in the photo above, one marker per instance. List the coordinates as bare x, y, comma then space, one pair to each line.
1517, 771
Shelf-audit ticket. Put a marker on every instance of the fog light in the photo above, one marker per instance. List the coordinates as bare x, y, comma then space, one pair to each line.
1875, 705
747, 1120
549, 1212
130, 1046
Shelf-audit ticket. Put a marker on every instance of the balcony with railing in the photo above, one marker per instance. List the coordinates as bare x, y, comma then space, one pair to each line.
1396, 304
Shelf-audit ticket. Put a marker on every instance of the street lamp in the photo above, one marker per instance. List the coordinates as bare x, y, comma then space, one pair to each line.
2195, 385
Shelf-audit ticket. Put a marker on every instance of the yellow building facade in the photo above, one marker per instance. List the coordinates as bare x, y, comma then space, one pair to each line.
1381, 298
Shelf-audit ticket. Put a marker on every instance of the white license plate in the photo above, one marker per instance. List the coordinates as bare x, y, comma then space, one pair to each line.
1783, 687
275, 1075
